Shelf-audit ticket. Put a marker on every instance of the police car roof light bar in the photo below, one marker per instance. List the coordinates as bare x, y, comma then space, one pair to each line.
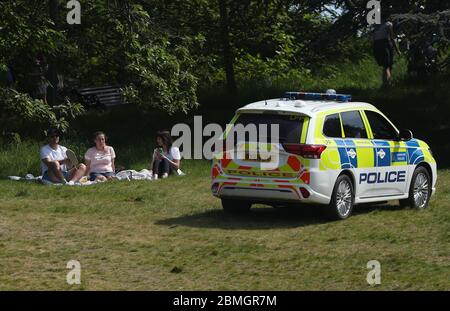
317, 96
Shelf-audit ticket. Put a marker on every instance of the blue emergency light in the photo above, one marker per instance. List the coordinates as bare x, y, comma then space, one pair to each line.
317, 96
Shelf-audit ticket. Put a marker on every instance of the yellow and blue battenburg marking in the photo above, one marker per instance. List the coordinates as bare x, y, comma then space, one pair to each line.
354, 153
415, 153
347, 153
382, 153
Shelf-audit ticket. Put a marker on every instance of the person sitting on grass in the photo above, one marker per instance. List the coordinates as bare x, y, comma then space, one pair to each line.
166, 158
100, 159
54, 162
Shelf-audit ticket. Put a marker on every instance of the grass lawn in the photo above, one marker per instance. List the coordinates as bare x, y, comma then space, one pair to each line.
172, 235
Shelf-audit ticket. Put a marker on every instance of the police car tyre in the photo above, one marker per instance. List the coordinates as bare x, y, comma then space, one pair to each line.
342, 199
419, 190
236, 206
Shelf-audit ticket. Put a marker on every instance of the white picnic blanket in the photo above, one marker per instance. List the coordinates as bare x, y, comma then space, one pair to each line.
31, 177
122, 175
134, 175
140, 175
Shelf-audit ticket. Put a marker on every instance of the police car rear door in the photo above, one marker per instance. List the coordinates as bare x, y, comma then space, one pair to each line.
358, 150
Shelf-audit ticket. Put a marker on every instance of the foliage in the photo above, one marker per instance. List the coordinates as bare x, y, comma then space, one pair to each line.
163, 52
17, 108
428, 30
159, 72
116, 43
267, 69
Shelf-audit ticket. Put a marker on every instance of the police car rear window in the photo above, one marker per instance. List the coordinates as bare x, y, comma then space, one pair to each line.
290, 126
332, 126
353, 125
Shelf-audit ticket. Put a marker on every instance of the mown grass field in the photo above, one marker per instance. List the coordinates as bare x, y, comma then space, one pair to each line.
172, 235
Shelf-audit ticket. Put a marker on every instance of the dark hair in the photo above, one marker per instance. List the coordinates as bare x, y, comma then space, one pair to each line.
98, 133
165, 137
53, 131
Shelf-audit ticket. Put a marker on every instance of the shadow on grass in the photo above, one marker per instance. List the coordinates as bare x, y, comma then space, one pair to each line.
367, 208
265, 217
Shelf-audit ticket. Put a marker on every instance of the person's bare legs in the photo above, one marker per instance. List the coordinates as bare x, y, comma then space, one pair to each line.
54, 172
386, 75
77, 173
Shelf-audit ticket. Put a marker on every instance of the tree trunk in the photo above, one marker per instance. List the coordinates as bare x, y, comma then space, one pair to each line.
52, 66
226, 47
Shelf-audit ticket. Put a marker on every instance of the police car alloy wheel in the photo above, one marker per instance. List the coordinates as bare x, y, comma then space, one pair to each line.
341, 204
235, 206
419, 193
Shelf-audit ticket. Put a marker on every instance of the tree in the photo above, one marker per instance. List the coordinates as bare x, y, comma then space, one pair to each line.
116, 43
226, 47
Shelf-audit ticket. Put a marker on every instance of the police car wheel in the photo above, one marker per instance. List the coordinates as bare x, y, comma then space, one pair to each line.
342, 199
419, 190
236, 206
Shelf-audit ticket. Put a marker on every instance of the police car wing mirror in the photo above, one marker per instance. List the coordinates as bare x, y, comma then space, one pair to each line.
405, 135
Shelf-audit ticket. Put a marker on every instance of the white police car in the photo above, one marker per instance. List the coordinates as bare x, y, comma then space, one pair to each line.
330, 151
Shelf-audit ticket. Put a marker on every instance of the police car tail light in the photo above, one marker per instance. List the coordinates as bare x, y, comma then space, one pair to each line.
304, 150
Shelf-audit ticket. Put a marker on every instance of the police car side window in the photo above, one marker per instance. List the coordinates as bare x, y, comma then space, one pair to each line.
353, 125
381, 128
332, 126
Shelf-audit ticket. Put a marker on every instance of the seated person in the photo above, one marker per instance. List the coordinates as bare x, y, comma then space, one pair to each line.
54, 160
100, 159
166, 158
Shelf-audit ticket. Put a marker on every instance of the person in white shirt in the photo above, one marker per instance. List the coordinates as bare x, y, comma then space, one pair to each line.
54, 162
166, 158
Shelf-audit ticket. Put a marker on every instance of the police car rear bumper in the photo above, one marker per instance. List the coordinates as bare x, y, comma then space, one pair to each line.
268, 192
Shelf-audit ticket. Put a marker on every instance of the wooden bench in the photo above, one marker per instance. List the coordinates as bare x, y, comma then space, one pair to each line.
105, 96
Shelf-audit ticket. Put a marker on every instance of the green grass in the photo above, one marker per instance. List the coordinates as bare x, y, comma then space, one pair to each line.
172, 235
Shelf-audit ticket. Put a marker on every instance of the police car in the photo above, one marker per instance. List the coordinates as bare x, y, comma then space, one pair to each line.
330, 151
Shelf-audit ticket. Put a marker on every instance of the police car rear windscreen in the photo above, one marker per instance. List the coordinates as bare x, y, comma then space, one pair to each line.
290, 127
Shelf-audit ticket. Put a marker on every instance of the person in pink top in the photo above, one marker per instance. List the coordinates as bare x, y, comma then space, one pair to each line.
100, 159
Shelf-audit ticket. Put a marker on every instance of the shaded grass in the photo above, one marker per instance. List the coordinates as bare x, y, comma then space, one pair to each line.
171, 234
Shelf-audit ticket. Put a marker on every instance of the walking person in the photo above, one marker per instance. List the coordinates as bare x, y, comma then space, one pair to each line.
383, 48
